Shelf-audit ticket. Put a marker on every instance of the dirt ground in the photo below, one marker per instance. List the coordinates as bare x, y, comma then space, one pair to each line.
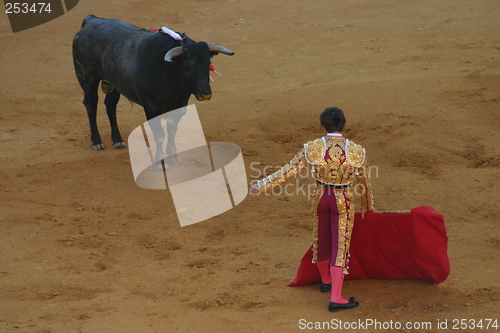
83, 249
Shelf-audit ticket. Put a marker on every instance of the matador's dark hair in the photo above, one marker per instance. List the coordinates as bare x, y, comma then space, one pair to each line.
333, 119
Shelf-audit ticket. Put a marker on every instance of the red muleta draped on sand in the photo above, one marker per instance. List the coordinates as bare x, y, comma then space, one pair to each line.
392, 246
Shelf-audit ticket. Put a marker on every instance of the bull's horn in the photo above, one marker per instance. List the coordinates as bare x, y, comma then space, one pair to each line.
217, 48
176, 51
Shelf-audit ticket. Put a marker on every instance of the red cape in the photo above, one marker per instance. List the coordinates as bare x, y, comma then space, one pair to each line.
392, 246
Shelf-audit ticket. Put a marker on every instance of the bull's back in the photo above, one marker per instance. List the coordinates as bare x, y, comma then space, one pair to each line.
104, 25
100, 38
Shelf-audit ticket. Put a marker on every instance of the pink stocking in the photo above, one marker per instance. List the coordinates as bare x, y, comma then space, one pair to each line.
337, 277
324, 271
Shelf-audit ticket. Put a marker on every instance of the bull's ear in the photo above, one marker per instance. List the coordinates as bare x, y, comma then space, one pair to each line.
213, 54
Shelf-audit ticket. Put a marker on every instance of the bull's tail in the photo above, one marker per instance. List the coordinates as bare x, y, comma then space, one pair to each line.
87, 19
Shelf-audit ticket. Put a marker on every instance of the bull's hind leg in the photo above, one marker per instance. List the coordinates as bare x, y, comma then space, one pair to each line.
112, 98
90, 100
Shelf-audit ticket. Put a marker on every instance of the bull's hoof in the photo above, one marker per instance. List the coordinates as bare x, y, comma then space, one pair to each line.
119, 145
98, 147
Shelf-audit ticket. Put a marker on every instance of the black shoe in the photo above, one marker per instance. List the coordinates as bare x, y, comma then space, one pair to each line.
334, 307
325, 287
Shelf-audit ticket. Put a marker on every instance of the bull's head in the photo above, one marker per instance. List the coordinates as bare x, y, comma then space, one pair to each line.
196, 64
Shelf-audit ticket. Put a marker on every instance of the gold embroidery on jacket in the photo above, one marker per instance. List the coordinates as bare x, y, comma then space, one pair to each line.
355, 154
345, 224
285, 173
318, 193
315, 151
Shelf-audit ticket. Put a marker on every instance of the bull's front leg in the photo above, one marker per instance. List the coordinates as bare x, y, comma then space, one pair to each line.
169, 155
174, 117
171, 151
159, 138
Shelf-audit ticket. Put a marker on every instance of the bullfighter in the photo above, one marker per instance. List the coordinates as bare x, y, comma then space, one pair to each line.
336, 163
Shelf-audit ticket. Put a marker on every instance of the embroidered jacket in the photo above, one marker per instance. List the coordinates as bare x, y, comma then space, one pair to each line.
334, 160
338, 162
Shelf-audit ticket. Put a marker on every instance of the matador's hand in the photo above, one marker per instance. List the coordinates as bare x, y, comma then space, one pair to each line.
254, 190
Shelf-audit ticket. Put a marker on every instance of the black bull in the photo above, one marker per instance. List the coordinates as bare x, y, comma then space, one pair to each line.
149, 68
